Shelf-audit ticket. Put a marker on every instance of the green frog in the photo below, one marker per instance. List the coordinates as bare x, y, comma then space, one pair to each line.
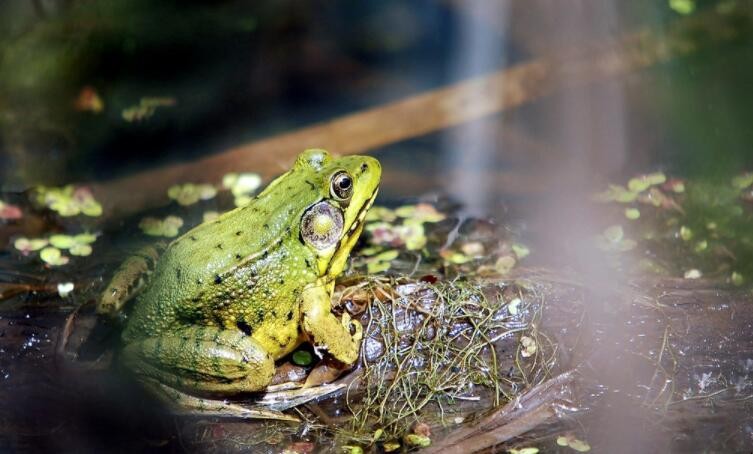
231, 296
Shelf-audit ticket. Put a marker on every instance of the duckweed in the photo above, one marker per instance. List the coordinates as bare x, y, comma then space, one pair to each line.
189, 193
573, 443
53, 256
168, 227
26, 245
68, 200
242, 186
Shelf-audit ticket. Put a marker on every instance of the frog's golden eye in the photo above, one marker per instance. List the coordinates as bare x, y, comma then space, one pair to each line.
342, 186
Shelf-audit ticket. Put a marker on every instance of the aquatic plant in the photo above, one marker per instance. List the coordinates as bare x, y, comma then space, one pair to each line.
68, 200
242, 186
434, 346
168, 227
189, 193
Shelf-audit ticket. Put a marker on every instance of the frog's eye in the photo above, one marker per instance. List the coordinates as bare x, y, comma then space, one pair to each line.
342, 186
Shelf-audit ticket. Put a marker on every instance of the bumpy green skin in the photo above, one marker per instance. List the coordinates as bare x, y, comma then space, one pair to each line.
231, 296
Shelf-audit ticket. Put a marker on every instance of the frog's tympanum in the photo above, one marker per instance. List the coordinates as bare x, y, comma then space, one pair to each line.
235, 294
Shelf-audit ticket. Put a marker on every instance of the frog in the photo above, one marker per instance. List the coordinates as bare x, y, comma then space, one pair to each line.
232, 296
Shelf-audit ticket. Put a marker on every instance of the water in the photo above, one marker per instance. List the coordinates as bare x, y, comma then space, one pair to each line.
98, 93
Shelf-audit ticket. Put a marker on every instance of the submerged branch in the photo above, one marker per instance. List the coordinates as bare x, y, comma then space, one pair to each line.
524, 413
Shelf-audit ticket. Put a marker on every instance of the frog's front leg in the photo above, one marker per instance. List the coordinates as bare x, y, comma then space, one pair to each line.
201, 359
324, 329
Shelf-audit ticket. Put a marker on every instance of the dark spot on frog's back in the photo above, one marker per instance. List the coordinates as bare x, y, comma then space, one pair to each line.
239, 233
193, 238
313, 186
178, 272
219, 246
290, 315
217, 279
243, 326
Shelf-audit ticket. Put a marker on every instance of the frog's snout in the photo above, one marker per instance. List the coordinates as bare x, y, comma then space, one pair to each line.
371, 168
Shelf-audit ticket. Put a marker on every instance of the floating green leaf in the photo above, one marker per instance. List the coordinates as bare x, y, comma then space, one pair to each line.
743, 181
80, 249
683, 7
189, 193
242, 185
381, 262
381, 214
53, 256
521, 251
62, 241
168, 227
422, 212
632, 213
573, 443
68, 200
26, 245
686, 233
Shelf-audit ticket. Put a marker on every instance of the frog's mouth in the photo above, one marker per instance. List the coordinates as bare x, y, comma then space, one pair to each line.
349, 238
360, 217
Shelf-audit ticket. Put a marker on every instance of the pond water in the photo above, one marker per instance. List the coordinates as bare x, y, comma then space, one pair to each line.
516, 112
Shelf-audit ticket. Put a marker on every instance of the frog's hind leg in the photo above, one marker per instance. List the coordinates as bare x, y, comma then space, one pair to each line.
201, 360
129, 279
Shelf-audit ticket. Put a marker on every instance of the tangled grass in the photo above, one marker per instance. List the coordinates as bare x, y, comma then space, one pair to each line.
444, 352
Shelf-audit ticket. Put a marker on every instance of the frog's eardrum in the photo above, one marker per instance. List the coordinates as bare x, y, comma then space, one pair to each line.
322, 225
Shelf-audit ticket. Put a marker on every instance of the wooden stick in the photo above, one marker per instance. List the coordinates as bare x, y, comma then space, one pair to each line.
427, 112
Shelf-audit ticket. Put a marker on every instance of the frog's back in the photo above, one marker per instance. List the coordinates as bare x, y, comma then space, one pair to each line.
208, 254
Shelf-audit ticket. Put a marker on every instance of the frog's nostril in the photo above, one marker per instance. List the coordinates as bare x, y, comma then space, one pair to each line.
364, 167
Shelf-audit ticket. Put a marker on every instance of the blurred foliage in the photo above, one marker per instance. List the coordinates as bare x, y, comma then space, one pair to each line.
688, 229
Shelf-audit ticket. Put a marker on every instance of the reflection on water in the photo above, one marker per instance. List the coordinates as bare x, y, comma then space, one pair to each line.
469, 150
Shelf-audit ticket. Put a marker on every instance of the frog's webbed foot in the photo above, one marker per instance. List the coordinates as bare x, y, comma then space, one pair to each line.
325, 330
186, 404
352, 325
201, 360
